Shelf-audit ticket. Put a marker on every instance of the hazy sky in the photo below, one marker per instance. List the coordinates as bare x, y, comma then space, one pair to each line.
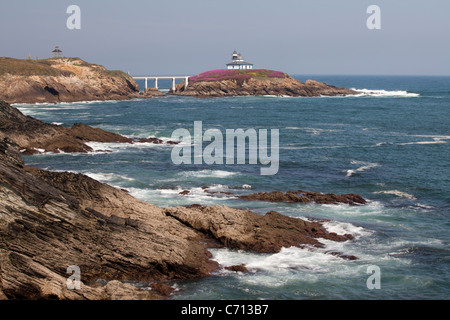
186, 37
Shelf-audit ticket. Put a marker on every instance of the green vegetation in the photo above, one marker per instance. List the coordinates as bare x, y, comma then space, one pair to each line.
29, 68
49, 67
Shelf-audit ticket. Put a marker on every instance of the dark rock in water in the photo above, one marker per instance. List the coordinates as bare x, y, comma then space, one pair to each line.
153, 92
150, 140
162, 289
238, 268
341, 255
185, 192
305, 197
241, 229
86, 133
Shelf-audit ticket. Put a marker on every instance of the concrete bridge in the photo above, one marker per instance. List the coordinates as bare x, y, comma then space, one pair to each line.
186, 80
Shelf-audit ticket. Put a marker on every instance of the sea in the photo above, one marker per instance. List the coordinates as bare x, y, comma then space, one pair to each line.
390, 144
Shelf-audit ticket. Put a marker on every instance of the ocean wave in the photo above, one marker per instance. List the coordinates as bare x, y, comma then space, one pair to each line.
63, 104
385, 93
364, 166
169, 197
397, 193
209, 173
108, 147
314, 131
107, 177
343, 228
435, 141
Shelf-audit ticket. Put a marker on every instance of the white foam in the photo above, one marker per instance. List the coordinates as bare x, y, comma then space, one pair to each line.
364, 166
107, 147
398, 193
314, 131
435, 141
107, 177
209, 174
290, 264
385, 93
343, 228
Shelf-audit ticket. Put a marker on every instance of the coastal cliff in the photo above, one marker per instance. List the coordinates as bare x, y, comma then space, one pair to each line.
63, 80
52, 220
34, 136
254, 82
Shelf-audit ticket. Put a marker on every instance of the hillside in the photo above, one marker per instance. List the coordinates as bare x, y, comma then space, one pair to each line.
62, 80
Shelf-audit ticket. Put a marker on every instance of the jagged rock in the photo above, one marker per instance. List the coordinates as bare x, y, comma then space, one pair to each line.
238, 268
32, 135
162, 289
305, 197
260, 82
49, 221
241, 229
153, 92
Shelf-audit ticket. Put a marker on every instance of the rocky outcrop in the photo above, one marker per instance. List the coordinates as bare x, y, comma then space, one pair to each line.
49, 221
52, 220
242, 229
153, 92
306, 197
34, 136
223, 83
62, 80
298, 196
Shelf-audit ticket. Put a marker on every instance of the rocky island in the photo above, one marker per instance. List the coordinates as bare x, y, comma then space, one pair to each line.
52, 220
254, 82
58, 80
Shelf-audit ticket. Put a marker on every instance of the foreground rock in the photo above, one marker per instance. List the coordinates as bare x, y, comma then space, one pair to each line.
260, 82
52, 220
34, 136
306, 197
49, 221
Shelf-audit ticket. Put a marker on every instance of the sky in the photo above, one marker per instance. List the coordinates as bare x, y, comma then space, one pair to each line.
187, 37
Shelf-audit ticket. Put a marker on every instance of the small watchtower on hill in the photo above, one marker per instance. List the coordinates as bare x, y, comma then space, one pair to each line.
57, 53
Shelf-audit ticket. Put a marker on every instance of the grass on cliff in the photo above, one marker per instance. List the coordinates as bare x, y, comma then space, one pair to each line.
29, 68
48, 67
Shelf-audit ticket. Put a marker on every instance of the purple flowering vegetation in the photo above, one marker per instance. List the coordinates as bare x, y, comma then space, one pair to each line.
230, 74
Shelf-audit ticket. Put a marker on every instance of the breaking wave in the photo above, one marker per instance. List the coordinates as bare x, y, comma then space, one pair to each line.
385, 93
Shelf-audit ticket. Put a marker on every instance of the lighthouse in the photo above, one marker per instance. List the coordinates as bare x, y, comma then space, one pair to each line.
237, 62
57, 53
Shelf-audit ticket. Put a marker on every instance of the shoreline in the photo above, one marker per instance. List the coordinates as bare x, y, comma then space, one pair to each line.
102, 209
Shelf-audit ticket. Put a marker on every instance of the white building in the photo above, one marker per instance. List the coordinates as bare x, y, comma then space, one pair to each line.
57, 53
239, 63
